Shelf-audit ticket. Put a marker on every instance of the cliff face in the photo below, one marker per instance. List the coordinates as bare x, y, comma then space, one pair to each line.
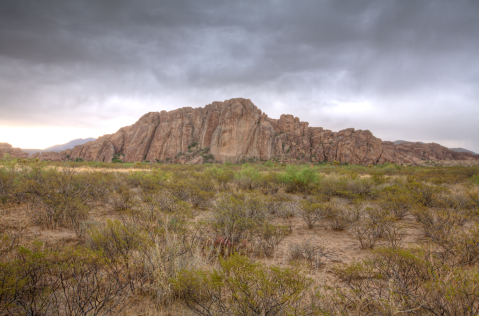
235, 130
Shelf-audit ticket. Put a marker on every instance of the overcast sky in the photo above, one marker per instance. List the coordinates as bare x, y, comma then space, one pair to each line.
404, 69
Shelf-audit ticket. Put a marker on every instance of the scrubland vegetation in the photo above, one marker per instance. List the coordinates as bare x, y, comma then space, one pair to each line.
85, 238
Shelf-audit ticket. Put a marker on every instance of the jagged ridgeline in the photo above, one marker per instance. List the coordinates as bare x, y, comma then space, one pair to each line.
236, 130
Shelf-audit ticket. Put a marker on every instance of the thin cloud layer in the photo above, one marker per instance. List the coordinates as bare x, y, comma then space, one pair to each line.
404, 69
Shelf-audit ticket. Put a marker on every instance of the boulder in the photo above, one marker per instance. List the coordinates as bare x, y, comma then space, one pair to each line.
196, 161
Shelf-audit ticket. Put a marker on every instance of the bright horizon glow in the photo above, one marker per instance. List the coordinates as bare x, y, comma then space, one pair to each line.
41, 137
44, 137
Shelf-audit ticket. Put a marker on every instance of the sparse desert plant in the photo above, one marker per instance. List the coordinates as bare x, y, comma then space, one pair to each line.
356, 210
397, 201
267, 183
394, 234
37, 280
366, 232
266, 237
396, 280
315, 254
339, 218
276, 204
246, 177
311, 213
235, 218
223, 177
425, 194
241, 287
124, 199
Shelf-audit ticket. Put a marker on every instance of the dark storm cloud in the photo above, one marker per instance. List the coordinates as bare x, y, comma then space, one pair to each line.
414, 64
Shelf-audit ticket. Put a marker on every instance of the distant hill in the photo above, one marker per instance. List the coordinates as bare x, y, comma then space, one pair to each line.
31, 151
459, 150
70, 144
59, 148
462, 150
406, 141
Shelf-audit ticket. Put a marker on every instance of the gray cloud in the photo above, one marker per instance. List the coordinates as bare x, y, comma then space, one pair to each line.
401, 68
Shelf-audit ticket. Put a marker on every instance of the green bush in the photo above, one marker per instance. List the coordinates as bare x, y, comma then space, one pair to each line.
298, 179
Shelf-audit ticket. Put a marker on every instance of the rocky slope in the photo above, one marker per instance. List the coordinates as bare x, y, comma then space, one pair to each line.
6, 148
236, 130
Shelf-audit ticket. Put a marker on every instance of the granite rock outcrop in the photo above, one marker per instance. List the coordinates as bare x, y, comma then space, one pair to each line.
236, 130
6, 148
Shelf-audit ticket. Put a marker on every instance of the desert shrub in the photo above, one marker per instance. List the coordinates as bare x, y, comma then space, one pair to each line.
165, 259
311, 213
276, 204
164, 200
356, 210
475, 179
377, 214
338, 218
235, 217
36, 280
181, 189
58, 211
148, 181
397, 201
202, 182
425, 194
124, 199
246, 177
201, 199
461, 245
398, 280
242, 287
298, 179
223, 177
315, 254
366, 232
355, 188
331, 186
63, 198
266, 237
267, 183
394, 235
378, 177
116, 241
7, 185
455, 200
437, 224
269, 163
288, 210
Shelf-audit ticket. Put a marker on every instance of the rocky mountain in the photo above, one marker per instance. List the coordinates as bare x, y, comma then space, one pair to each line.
236, 130
399, 142
6, 148
459, 150
462, 150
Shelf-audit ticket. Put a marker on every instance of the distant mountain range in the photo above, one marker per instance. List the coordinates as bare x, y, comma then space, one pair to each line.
458, 149
61, 147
